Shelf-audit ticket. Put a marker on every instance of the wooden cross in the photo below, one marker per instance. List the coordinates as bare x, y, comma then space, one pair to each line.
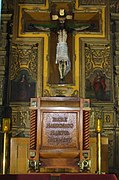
62, 18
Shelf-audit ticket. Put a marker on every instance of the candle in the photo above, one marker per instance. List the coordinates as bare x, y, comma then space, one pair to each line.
6, 124
99, 125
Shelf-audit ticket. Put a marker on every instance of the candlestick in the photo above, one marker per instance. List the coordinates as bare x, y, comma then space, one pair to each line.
98, 130
5, 129
4, 153
99, 125
99, 154
6, 125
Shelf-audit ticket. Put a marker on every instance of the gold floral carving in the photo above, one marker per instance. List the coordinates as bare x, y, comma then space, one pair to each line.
24, 118
20, 120
75, 93
98, 58
92, 2
46, 93
114, 6
31, 1
61, 91
24, 57
108, 118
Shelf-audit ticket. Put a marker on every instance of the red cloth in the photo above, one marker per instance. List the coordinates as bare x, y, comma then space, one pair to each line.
25, 177
88, 177
61, 177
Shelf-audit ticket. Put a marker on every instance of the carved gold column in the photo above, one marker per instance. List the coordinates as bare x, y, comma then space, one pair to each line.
5, 129
98, 130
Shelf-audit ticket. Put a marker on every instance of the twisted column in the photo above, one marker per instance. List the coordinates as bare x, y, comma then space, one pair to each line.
33, 129
86, 117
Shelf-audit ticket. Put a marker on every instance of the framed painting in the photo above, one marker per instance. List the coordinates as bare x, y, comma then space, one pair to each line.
23, 87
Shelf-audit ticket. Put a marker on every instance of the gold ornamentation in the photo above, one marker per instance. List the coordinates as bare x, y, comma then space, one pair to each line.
108, 118
46, 93
20, 120
75, 93
23, 57
98, 57
6, 125
41, 2
98, 125
114, 6
92, 2
61, 91
14, 119
23, 118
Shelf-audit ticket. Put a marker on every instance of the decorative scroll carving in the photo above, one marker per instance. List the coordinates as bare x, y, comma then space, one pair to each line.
20, 118
98, 72
23, 118
61, 92
98, 57
92, 2
32, 1
14, 119
108, 119
8, 6
23, 57
20, 121
46, 93
75, 93
114, 6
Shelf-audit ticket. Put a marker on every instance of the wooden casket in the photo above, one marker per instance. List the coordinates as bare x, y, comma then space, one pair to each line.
59, 133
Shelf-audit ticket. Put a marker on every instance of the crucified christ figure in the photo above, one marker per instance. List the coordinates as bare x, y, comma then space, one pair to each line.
62, 58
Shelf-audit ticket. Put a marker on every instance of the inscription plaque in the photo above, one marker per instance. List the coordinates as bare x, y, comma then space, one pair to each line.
59, 130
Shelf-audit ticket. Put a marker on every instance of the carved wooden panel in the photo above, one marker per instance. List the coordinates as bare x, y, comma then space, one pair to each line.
19, 153
87, 2
59, 130
20, 160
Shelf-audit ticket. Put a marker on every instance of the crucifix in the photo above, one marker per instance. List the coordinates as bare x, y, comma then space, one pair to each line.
62, 57
61, 23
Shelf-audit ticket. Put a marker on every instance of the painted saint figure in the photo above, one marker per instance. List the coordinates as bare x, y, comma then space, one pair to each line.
23, 88
62, 58
99, 87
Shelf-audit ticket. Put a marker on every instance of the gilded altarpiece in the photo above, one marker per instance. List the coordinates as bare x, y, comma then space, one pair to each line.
24, 82
33, 54
37, 22
98, 73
